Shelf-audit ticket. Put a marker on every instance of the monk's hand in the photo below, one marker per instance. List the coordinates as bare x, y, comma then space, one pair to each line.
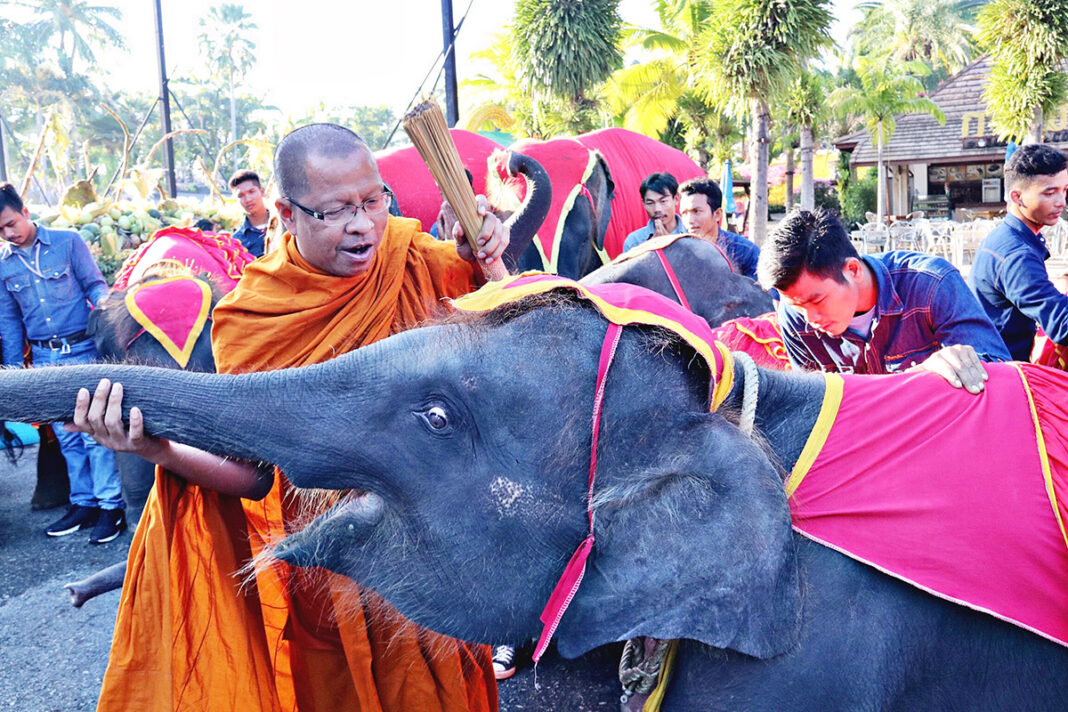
491, 241
100, 417
958, 364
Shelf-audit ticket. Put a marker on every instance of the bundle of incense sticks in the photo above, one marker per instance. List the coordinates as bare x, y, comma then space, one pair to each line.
425, 125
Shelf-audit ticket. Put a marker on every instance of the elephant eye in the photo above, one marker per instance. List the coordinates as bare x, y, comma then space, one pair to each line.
436, 418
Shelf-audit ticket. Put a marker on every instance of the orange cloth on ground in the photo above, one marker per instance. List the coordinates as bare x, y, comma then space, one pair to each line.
392, 663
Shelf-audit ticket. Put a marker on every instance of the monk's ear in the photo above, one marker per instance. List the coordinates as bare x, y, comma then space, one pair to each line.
285, 212
696, 545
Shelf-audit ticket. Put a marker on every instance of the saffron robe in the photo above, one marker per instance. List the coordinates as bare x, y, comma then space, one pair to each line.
260, 647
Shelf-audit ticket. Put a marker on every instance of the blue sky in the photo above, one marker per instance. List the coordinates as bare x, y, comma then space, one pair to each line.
360, 52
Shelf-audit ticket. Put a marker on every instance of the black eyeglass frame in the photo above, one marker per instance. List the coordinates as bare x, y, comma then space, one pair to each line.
355, 208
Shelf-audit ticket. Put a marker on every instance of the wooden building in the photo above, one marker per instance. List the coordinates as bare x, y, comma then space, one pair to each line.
952, 170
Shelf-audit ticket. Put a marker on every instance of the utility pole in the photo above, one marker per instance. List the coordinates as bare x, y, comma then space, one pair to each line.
452, 111
165, 104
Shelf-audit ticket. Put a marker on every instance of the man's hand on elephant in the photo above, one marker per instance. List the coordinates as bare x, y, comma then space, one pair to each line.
100, 417
492, 240
958, 364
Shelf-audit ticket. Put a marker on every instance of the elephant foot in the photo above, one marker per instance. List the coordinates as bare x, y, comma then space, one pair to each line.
102, 581
41, 501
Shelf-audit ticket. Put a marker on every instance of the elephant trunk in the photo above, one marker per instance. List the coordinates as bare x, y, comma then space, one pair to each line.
524, 223
253, 417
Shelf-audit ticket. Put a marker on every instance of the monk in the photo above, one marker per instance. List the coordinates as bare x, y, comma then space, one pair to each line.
188, 635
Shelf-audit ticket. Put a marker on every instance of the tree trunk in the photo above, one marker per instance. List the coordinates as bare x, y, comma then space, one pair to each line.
758, 205
808, 177
880, 183
1035, 134
789, 202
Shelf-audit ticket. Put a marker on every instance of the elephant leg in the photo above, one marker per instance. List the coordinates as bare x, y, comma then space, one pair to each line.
53, 485
137, 475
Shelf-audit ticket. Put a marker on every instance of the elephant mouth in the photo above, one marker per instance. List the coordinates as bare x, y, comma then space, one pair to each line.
349, 522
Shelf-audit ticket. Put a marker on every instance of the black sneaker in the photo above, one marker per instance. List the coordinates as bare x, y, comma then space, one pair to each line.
111, 523
77, 517
503, 661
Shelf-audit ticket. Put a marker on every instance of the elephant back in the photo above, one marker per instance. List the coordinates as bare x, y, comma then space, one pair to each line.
631, 157
416, 192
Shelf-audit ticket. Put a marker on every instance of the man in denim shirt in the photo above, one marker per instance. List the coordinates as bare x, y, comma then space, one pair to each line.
877, 314
660, 196
249, 192
1009, 273
48, 275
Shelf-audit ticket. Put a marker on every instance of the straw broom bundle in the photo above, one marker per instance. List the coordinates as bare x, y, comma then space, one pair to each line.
425, 125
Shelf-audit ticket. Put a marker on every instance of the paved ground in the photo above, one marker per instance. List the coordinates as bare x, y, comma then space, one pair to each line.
53, 656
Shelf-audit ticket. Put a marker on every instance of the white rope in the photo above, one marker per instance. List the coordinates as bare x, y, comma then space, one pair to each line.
749, 391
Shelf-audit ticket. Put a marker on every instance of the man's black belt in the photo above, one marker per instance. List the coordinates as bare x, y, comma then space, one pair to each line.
57, 343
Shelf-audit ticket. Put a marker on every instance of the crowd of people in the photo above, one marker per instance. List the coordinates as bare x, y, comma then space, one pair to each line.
345, 274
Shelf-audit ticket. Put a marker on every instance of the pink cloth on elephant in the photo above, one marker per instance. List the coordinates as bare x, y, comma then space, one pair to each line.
218, 254
963, 496
408, 177
631, 157
758, 336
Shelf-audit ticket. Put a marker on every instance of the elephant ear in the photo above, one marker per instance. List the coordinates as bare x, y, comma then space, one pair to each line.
697, 545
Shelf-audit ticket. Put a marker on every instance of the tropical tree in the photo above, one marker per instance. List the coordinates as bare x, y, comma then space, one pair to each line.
224, 40
82, 23
754, 48
563, 50
886, 90
938, 33
1028, 44
804, 102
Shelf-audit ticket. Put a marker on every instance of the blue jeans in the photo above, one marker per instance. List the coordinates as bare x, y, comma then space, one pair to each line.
94, 479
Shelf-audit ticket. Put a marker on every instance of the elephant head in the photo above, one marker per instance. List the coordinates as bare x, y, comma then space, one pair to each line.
467, 475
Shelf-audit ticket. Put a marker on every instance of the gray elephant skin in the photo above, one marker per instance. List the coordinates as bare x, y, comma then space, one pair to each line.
467, 456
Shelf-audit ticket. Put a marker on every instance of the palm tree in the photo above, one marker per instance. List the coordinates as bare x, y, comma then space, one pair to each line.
938, 33
754, 48
804, 103
648, 94
224, 39
84, 24
1028, 44
563, 50
885, 91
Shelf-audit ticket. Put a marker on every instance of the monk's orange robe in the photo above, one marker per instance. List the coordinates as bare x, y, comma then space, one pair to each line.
188, 635
365, 656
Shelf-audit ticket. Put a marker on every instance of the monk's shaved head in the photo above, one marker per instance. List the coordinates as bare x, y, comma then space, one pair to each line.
291, 155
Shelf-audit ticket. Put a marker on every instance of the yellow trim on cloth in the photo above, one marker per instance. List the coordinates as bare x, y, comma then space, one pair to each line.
832, 401
667, 667
551, 261
181, 354
1043, 456
496, 294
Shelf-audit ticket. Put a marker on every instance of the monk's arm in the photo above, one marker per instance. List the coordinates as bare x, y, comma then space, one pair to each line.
101, 418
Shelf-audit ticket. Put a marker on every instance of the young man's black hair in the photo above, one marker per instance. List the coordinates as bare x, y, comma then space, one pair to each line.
706, 187
1033, 159
813, 241
244, 175
662, 183
10, 198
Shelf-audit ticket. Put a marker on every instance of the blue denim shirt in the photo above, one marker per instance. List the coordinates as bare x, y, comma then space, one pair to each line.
742, 252
923, 305
644, 233
251, 237
45, 290
1010, 281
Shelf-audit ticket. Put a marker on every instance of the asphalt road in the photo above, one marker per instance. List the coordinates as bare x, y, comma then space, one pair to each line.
53, 656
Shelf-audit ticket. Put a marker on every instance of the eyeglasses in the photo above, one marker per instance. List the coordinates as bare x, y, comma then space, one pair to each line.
375, 205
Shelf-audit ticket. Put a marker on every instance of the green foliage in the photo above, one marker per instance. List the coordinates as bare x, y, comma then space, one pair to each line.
886, 90
563, 48
857, 198
1028, 42
805, 99
937, 33
754, 47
